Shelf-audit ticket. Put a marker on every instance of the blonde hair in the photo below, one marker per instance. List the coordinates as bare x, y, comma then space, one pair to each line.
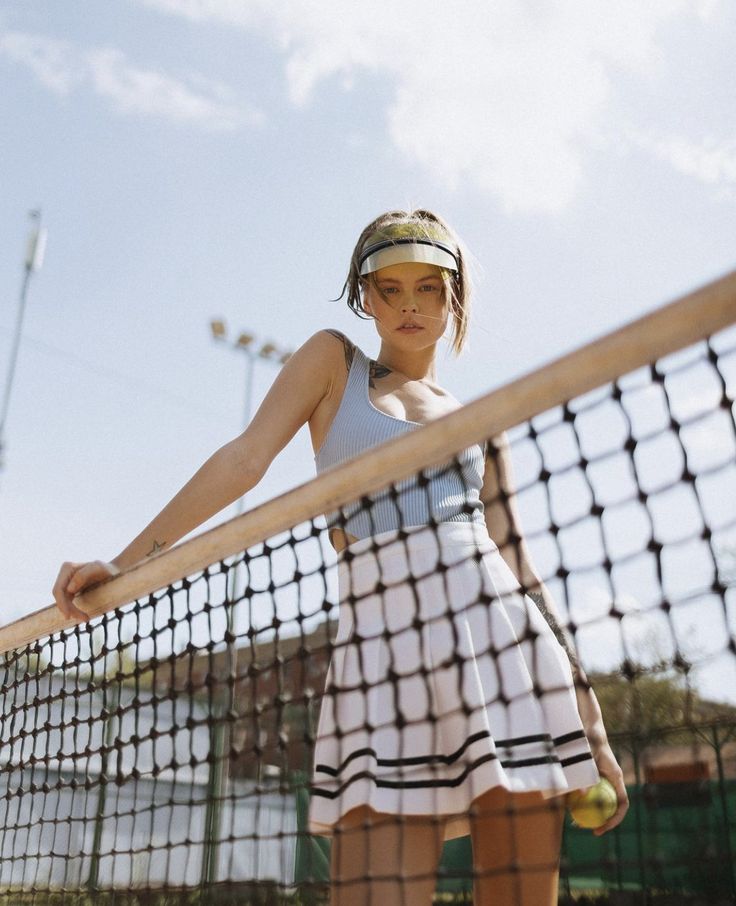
422, 223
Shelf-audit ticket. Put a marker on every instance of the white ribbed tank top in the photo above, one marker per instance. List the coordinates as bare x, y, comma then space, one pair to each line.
446, 493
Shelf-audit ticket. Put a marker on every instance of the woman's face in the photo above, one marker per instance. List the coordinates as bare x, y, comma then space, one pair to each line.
413, 294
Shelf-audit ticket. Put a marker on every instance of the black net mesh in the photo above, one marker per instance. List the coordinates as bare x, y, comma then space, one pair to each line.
196, 745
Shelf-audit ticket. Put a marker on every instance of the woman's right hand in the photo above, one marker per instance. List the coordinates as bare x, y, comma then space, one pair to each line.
74, 578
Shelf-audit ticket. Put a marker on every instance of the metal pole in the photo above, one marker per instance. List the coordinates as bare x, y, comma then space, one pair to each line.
216, 788
222, 705
33, 262
723, 796
641, 859
111, 729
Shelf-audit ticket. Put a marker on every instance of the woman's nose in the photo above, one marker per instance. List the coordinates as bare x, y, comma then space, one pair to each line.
409, 305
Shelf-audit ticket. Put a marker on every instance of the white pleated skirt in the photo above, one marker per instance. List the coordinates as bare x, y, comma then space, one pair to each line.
445, 681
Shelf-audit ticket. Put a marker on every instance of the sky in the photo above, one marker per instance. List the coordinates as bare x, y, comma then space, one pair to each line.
199, 159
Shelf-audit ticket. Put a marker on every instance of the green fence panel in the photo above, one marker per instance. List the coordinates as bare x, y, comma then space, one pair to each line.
685, 846
686, 843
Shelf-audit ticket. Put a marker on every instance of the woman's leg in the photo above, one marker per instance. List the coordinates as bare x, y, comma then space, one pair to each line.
516, 848
385, 860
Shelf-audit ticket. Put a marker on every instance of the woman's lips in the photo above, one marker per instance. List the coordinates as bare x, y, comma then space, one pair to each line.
410, 328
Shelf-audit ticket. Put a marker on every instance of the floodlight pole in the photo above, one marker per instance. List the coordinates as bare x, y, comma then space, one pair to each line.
34, 259
268, 351
224, 707
246, 344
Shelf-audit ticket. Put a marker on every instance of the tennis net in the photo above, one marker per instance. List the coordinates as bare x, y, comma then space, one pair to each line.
165, 750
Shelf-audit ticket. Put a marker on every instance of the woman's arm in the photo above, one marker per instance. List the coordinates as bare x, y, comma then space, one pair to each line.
230, 472
504, 527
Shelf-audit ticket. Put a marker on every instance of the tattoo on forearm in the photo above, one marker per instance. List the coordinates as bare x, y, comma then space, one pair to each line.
376, 370
562, 636
157, 546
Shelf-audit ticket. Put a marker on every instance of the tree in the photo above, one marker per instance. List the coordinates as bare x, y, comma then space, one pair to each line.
646, 701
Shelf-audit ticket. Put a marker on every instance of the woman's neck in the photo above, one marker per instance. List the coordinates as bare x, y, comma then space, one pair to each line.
417, 366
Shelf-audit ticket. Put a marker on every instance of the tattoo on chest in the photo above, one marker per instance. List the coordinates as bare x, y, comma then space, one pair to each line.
157, 546
376, 370
348, 346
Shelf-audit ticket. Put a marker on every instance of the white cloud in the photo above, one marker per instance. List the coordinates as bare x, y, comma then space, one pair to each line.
707, 9
130, 89
493, 93
710, 160
50, 60
153, 93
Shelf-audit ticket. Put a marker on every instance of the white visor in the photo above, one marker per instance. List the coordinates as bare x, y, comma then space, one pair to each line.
398, 251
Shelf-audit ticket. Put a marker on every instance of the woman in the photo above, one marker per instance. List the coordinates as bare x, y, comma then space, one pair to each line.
469, 713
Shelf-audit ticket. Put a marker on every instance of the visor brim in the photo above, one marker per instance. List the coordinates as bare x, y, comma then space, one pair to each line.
401, 254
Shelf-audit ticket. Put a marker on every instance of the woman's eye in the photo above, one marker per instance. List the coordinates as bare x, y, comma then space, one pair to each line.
430, 288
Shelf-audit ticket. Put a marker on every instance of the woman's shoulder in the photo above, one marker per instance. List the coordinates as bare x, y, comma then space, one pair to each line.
339, 340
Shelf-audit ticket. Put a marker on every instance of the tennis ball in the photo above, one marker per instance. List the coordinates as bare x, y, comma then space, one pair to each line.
593, 807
